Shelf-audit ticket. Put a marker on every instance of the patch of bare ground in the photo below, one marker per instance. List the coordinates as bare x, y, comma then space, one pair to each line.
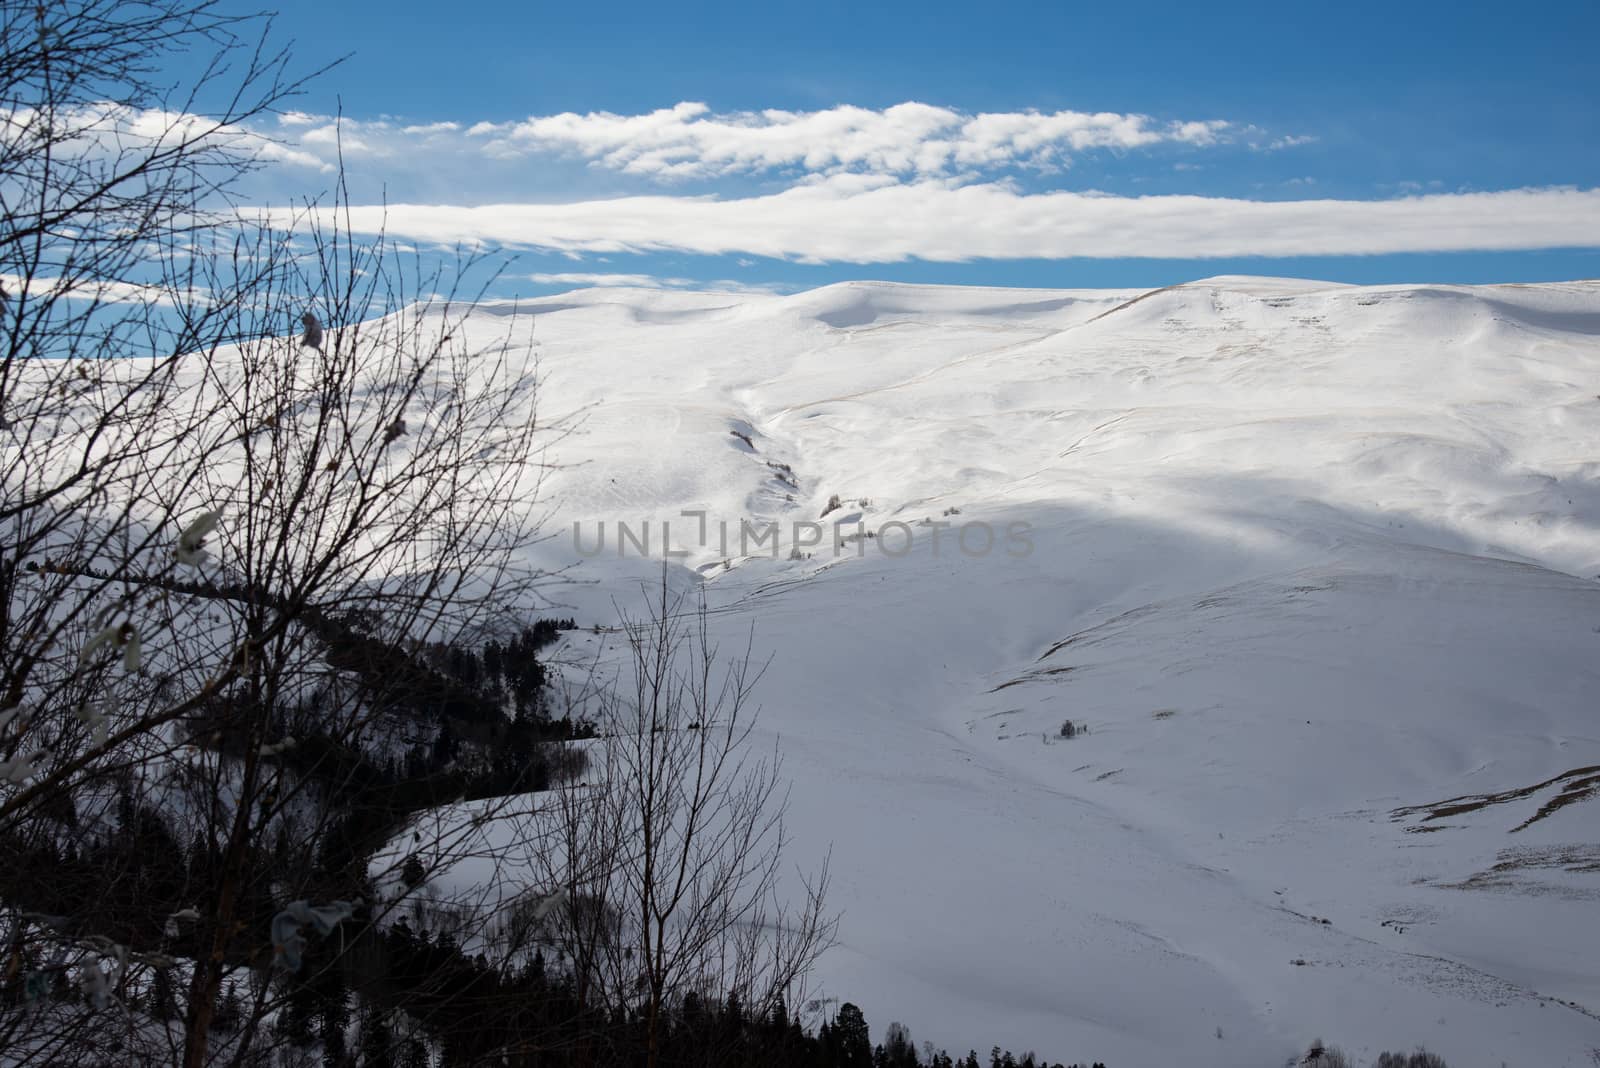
1511, 871
1571, 787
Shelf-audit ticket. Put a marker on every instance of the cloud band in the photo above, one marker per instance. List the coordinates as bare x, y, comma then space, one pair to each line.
861, 219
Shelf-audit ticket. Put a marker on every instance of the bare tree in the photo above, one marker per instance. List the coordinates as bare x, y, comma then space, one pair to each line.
254, 479
226, 551
672, 846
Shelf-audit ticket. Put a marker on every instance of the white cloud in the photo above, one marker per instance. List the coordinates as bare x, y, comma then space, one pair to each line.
914, 180
99, 290
582, 279
1260, 140
432, 128
590, 278
689, 141
1291, 141
842, 220
380, 137
109, 129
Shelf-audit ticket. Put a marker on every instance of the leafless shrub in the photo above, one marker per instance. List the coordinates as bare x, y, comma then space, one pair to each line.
674, 841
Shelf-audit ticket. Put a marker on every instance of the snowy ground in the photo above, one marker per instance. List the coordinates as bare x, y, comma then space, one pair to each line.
1298, 555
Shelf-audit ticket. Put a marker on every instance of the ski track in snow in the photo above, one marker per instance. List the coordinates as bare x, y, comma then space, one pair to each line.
1303, 555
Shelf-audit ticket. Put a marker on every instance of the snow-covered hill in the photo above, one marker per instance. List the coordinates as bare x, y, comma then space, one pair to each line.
1301, 557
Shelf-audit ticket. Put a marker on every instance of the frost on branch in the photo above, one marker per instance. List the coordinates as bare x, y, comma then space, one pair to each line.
191, 542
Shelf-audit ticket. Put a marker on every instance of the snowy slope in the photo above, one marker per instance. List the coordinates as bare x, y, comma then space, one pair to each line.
1301, 556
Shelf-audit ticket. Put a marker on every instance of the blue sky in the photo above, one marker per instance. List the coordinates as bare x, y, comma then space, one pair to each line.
1042, 144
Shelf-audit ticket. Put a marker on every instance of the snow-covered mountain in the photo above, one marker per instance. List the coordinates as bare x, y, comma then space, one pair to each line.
1305, 560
